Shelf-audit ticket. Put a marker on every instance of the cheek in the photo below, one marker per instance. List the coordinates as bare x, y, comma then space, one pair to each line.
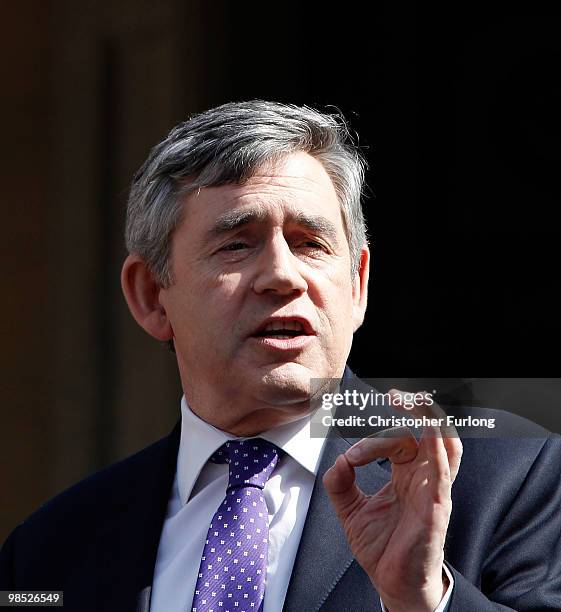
334, 300
215, 302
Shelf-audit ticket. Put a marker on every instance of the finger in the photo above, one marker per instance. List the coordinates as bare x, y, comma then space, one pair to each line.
397, 444
454, 449
436, 447
339, 482
433, 449
430, 409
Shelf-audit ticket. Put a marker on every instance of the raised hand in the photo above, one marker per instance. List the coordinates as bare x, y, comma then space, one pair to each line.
398, 534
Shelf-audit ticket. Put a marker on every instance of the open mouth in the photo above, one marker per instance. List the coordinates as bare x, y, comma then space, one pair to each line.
284, 329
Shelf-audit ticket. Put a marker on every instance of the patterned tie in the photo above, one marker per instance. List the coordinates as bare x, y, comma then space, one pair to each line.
234, 563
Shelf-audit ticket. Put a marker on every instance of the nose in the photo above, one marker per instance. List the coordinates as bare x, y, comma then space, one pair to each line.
278, 270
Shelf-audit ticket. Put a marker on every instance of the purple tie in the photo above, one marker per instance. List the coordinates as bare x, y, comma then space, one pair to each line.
234, 563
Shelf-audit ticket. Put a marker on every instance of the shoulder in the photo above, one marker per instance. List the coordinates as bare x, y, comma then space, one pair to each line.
83, 509
503, 456
491, 423
505, 431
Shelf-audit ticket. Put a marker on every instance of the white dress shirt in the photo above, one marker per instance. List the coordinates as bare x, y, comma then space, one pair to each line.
199, 488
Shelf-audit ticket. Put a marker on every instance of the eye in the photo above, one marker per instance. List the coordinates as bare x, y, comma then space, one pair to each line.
234, 246
312, 244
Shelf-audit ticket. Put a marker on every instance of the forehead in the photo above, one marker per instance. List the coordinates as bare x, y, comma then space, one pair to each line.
298, 183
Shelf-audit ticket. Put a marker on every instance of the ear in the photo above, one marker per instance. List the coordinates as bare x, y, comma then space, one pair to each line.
142, 293
360, 288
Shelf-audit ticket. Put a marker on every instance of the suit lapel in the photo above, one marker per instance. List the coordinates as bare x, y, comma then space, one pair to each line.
143, 599
322, 545
323, 556
125, 552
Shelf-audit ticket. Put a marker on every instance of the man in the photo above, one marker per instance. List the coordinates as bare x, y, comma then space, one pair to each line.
248, 254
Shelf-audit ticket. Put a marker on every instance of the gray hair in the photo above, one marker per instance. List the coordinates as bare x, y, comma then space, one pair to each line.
228, 144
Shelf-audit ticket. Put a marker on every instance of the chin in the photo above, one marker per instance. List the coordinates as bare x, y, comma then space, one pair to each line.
287, 383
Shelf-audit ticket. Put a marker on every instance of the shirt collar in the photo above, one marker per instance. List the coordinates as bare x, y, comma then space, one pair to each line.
199, 440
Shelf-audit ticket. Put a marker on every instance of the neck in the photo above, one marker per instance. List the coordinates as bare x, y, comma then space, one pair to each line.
245, 424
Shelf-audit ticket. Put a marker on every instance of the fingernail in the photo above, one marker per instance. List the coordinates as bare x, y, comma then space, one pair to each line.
354, 453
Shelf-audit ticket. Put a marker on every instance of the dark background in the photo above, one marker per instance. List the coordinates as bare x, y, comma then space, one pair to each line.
458, 113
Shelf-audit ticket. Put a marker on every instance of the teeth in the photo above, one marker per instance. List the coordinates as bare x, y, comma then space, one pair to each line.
279, 325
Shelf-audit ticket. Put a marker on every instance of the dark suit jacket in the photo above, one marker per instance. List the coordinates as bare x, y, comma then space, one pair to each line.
98, 540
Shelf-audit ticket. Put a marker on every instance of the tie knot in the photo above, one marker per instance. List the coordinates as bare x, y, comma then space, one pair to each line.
250, 462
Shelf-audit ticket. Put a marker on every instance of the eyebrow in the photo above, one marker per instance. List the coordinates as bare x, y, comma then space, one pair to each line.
234, 219
316, 223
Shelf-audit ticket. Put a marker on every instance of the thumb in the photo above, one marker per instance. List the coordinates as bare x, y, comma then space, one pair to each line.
339, 482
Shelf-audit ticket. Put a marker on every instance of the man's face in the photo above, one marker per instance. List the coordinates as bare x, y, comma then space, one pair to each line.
263, 299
